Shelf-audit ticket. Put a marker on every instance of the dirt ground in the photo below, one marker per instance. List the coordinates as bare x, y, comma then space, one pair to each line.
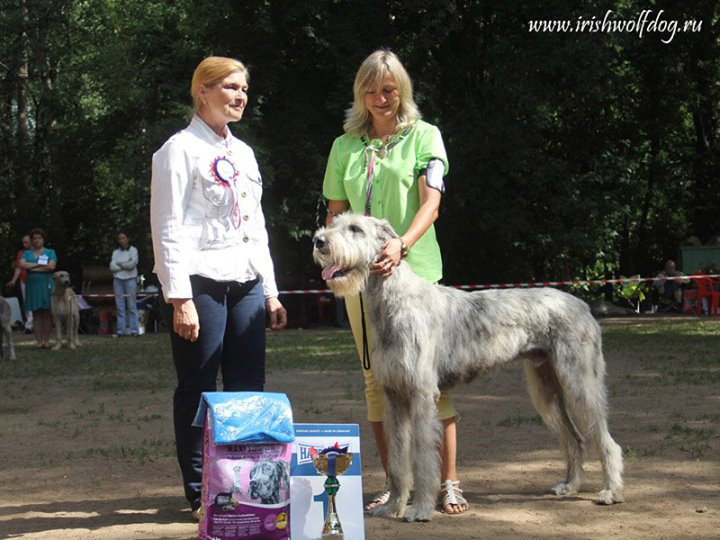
100, 464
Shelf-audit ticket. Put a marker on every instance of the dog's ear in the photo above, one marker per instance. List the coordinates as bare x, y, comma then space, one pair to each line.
282, 473
55, 274
384, 229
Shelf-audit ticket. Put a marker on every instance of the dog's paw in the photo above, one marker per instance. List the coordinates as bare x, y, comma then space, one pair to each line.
607, 496
56, 347
563, 489
416, 513
73, 346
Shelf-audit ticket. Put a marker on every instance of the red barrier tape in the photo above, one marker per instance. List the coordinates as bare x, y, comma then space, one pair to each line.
521, 285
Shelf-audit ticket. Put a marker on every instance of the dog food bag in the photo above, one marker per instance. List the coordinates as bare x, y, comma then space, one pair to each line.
247, 449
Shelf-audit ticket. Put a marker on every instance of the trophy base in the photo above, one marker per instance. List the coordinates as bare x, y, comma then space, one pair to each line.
332, 528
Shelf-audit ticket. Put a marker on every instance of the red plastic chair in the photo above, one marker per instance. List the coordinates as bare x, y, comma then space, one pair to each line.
705, 290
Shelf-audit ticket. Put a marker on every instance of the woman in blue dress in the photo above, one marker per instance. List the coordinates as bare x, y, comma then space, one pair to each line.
39, 262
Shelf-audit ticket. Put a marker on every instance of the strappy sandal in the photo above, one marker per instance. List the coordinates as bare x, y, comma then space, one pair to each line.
379, 498
451, 495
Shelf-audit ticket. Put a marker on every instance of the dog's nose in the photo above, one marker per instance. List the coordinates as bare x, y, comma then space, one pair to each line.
319, 242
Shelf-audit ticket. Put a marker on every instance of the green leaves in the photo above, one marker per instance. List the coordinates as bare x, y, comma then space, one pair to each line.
569, 151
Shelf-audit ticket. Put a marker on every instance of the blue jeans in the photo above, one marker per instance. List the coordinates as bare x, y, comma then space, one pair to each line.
232, 340
123, 287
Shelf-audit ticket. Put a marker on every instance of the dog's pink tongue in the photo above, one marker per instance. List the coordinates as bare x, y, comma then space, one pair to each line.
328, 272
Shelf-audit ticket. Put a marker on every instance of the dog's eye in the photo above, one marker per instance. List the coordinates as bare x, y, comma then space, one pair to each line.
355, 229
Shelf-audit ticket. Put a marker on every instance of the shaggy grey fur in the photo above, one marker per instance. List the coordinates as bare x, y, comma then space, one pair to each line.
430, 337
6, 328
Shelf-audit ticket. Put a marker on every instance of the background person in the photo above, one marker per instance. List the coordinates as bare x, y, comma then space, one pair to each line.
21, 274
211, 255
39, 262
123, 265
669, 285
390, 164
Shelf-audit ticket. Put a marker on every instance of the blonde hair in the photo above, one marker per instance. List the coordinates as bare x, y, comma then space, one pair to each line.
369, 77
211, 71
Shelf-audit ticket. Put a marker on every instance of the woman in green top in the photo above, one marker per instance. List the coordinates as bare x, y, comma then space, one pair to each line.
39, 262
389, 164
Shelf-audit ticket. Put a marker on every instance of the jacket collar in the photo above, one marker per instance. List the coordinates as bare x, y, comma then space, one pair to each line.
207, 133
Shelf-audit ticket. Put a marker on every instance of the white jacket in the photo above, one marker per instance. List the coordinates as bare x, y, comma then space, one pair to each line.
204, 219
124, 263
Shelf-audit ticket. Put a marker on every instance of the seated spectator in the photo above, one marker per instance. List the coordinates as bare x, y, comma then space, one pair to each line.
668, 286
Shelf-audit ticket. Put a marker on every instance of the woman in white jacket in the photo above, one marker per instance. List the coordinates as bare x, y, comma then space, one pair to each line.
212, 255
123, 265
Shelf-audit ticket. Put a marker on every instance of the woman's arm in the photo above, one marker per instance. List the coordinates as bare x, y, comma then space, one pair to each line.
170, 190
114, 265
171, 187
27, 265
49, 267
426, 215
16, 275
134, 259
132, 262
334, 208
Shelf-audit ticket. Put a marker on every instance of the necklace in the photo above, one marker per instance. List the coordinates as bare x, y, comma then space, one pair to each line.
370, 152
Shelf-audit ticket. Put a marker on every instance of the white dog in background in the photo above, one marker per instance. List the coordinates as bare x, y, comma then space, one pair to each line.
6, 328
65, 311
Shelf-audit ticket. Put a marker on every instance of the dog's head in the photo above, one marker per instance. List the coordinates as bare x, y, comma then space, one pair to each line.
266, 479
62, 278
346, 249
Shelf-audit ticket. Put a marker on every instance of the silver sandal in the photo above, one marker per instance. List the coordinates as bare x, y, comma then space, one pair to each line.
379, 498
451, 494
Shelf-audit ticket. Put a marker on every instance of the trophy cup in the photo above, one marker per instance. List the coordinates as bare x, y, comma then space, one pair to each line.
332, 462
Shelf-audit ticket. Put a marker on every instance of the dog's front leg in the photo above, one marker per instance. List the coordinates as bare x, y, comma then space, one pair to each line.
426, 432
58, 333
397, 437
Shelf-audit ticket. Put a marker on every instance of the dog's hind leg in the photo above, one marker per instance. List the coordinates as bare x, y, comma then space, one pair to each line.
612, 464
551, 403
581, 379
595, 400
398, 437
426, 442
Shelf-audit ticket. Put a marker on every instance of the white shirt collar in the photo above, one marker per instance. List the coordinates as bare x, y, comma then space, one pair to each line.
207, 132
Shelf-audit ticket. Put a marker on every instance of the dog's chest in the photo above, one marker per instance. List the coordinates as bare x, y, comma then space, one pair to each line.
63, 302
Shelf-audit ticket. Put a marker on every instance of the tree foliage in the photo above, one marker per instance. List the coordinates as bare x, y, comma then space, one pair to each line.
571, 153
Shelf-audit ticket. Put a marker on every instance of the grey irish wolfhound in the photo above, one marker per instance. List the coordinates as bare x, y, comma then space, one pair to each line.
430, 337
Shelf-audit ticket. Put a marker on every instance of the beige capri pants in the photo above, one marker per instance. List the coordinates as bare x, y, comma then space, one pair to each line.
374, 395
